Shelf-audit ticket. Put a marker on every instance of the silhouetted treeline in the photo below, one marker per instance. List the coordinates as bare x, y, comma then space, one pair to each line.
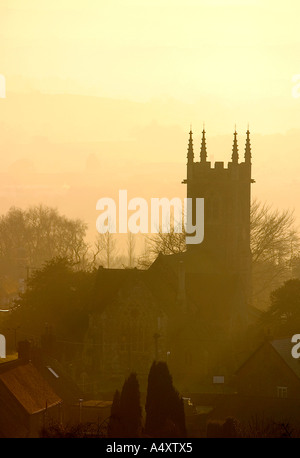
31, 237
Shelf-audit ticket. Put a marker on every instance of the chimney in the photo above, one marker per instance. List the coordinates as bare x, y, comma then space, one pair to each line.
24, 351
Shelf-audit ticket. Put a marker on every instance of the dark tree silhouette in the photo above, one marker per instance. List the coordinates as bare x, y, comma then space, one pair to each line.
57, 295
164, 406
223, 429
283, 316
114, 426
130, 408
126, 413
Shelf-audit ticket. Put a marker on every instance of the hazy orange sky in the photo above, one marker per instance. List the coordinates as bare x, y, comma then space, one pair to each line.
116, 84
237, 52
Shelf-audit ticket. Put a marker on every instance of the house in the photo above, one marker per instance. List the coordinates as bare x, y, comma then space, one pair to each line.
54, 373
270, 372
27, 401
267, 388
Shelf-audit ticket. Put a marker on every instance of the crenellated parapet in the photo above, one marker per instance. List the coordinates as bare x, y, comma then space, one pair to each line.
205, 170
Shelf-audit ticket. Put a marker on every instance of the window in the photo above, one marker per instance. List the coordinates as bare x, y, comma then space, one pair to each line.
282, 391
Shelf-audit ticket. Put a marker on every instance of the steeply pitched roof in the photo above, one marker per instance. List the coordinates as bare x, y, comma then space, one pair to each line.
58, 379
283, 347
28, 387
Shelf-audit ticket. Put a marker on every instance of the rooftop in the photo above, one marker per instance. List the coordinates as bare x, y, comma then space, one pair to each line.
28, 387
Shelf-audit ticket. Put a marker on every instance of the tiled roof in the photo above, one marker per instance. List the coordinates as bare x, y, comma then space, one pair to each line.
28, 387
59, 381
110, 281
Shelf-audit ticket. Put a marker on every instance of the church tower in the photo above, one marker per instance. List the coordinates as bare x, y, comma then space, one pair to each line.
226, 193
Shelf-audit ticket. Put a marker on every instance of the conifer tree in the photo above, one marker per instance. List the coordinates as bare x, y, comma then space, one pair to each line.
164, 406
130, 408
114, 426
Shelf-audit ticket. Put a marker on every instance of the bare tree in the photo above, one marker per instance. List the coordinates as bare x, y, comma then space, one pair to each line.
274, 246
131, 249
105, 250
167, 243
146, 258
28, 238
273, 234
171, 242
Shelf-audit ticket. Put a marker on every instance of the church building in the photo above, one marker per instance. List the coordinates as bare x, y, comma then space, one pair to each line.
186, 308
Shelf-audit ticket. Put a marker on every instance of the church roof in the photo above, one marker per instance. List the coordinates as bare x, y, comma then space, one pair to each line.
110, 282
195, 262
207, 282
